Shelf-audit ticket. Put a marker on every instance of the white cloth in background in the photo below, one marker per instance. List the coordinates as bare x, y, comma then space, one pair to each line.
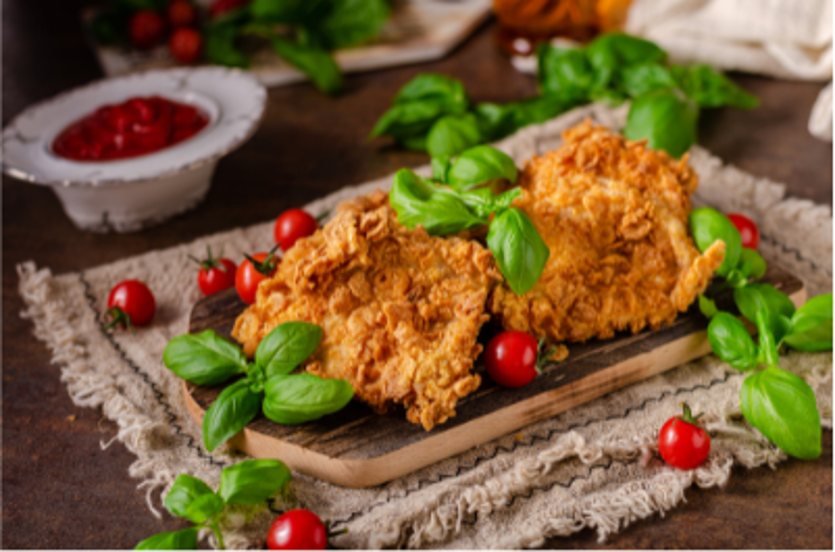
820, 121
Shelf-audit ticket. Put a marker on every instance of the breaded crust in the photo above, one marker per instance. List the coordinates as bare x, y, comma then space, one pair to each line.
400, 310
614, 216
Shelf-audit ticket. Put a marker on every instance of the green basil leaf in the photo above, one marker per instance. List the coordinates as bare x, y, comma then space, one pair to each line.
439, 210
783, 407
176, 540
564, 73
518, 248
414, 143
495, 121
291, 12
666, 118
481, 201
301, 398
753, 298
432, 86
736, 279
771, 328
409, 119
204, 358
221, 49
637, 80
440, 167
204, 507
349, 22
710, 88
751, 264
315, 62
708, 225
252, 481
536, 110
186, 489
286, 346
479, 165
812, 325
708, 307
609, 53
505, 199
452, 134
235, 407
608, 96
730, 341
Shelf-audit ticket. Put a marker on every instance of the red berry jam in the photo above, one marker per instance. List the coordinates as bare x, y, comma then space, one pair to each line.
136, 127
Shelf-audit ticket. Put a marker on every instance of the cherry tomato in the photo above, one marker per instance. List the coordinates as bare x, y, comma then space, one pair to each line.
146, 29
249, 275
683, 442
130, 303
292, 225
181, 13
747, 230
185, 44
511, 358
297, 530
216, 274
219, 7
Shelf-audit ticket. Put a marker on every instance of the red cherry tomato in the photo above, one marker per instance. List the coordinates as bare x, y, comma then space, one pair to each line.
219, 7
747, 230
511, 358
216, 274
181, 13
292, 225
683, 442
297, 530
146, 29
130, 303
185, 45
249, 276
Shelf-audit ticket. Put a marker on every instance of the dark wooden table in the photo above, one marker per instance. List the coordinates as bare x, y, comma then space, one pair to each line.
61, 490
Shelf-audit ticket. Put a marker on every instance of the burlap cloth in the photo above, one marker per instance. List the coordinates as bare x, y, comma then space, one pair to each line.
593, 466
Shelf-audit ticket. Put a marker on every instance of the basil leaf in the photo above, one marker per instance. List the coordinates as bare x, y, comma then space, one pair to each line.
480, 200
437, 209
771, 328
536, 110
286, 346
783, 407
452, 134
610, 52
183, 493
252, 481
408, 119
440, 167
564, 73
414, 143
751, 264
812, 325
637, 80
708, 307
221, 49
505, 199
730, 341
235, 407
204, 358
479, 165
176, 540
666, 118
432, 86
304, 397
204, 507
753, 298
710, 88
708, 225
349, 22
495, 121
518, 248
315, 62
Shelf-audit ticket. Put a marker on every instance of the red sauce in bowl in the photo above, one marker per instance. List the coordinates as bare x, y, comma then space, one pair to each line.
136, 127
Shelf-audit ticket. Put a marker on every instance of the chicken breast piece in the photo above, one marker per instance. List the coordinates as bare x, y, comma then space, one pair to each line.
614, 216
400, 310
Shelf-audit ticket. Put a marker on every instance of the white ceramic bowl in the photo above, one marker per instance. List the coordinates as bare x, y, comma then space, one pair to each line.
131, 194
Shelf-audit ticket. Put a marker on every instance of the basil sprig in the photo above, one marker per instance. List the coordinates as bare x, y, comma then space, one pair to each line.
778, 403
666, 99
207, 359
470, 201
248, 482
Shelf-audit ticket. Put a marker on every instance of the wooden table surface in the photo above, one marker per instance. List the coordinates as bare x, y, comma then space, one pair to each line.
62, 489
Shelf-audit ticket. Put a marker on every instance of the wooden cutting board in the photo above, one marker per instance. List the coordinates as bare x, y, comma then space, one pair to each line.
358, 448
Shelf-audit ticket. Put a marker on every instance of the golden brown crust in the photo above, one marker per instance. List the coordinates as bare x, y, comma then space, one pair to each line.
400, 310
614, 216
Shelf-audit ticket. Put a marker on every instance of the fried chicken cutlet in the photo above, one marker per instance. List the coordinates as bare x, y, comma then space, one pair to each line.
614, 216
400, 310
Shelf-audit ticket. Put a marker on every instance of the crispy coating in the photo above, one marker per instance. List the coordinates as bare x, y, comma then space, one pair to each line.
400, 310
614, 216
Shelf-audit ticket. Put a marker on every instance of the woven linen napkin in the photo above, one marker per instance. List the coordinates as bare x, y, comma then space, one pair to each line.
593, 466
